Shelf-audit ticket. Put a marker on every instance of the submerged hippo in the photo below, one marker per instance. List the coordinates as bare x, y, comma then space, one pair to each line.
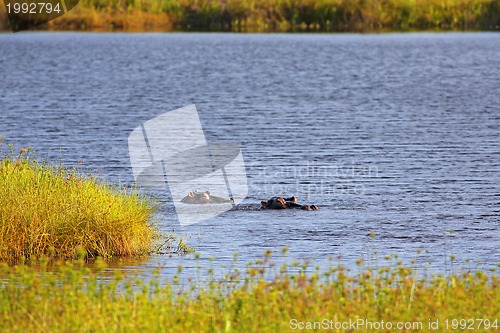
284, 203
203, 198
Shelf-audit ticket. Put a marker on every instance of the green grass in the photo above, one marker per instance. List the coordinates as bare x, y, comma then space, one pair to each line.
264, 298
61, 213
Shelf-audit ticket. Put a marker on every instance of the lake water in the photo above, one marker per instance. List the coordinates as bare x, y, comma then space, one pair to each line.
396, 134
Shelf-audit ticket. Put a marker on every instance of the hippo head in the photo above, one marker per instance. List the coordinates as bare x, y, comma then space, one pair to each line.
283, 203
201, 197
197, 197
204, 198
274, 203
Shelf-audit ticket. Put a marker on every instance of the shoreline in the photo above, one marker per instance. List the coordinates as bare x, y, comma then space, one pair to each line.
157, 31
262, 16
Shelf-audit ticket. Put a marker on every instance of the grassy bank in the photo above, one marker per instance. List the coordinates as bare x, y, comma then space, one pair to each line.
60, 213
278, 15
70, 299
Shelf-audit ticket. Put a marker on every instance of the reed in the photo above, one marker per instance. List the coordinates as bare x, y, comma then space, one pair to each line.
264, 298
61, 213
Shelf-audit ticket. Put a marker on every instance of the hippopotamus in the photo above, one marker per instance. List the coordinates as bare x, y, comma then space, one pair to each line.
284, 203
203, 198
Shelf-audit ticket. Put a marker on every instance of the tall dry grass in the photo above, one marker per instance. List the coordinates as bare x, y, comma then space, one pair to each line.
47, 210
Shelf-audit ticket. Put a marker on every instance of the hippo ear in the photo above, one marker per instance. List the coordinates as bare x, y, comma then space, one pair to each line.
191, 194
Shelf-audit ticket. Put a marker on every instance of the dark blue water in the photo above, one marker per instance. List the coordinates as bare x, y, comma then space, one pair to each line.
393, 134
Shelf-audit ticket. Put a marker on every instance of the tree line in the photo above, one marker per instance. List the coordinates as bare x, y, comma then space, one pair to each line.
281, 15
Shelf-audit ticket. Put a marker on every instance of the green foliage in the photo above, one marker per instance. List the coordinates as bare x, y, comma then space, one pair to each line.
284, 15
61, 213
72, 298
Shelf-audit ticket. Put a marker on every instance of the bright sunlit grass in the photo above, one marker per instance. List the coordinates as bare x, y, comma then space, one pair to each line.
60, 213
264, 298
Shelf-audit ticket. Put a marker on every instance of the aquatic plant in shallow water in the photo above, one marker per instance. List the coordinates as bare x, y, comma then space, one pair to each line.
72, 298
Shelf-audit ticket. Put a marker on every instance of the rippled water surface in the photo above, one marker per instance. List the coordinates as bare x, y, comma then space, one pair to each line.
394, 134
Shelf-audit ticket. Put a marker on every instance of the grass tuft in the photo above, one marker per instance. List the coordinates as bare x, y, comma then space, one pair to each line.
60, 213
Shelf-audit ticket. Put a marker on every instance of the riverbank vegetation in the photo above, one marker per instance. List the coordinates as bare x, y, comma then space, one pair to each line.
278, 15
60, 213
265, 298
